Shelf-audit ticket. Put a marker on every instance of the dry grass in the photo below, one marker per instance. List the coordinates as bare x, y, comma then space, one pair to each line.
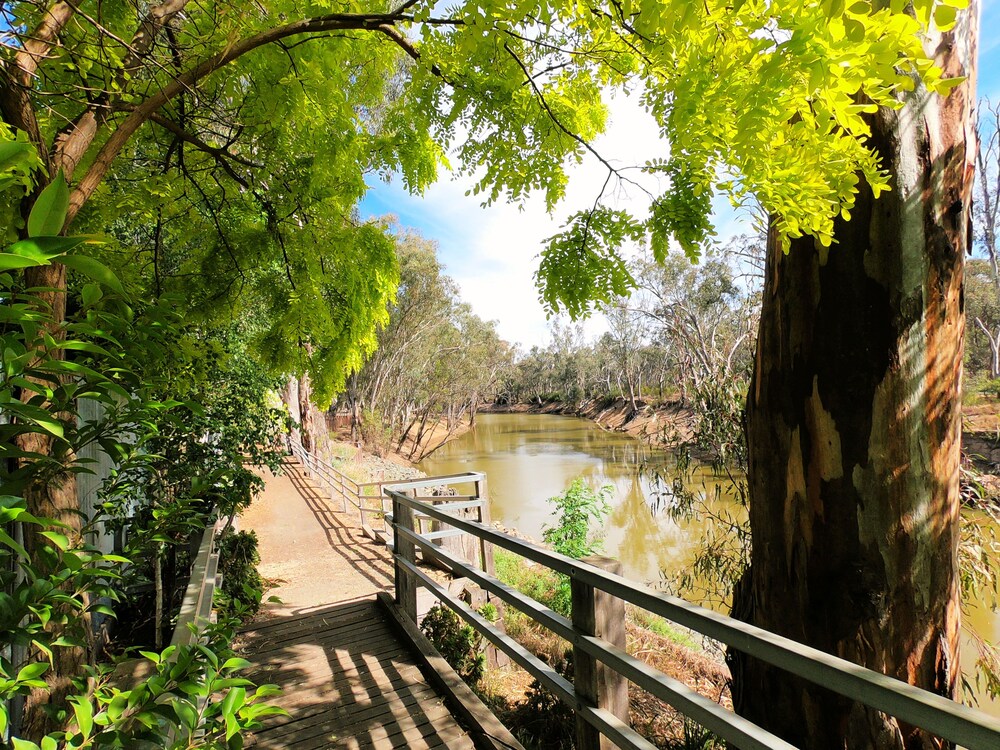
659, 722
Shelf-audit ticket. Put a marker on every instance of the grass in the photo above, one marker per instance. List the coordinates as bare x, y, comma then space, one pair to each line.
657, 641
656, 624
541, 584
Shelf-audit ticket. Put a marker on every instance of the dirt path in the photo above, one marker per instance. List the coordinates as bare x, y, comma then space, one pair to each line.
309, 551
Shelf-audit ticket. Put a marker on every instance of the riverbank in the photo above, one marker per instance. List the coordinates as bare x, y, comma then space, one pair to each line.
670, 423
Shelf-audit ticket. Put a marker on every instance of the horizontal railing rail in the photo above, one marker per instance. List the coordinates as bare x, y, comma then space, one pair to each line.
366, 498
196, 606
373, 505
936, 714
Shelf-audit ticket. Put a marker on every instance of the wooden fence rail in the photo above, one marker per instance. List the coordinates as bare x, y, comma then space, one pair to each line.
597, 701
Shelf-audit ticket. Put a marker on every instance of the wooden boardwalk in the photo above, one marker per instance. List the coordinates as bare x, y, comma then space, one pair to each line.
348, 680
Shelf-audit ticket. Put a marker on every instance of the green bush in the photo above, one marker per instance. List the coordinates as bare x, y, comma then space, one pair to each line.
576, 509
459, 644
242, 586
375, 433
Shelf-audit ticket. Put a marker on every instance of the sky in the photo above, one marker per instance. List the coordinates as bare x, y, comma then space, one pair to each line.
492, 253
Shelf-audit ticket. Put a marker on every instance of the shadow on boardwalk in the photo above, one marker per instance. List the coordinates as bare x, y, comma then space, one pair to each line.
348, 681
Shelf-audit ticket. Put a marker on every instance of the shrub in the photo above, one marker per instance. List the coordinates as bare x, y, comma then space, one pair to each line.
576, 509
542, 720
459, 644
242, 586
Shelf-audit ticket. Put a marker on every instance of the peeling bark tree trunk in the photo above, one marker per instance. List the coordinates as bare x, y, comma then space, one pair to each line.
290, 395
306, 413
853, 424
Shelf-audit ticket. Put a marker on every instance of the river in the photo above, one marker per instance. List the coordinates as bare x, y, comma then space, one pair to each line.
529, 458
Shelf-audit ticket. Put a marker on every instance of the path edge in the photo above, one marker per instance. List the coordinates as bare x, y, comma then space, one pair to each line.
485, 729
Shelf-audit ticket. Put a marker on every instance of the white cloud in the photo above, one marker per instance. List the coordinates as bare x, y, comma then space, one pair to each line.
492, 253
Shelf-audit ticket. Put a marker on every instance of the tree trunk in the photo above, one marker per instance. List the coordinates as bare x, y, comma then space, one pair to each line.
854, 432
306, 413
53, 496
290, 395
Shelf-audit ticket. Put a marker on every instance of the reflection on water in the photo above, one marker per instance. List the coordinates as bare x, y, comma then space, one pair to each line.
529, 458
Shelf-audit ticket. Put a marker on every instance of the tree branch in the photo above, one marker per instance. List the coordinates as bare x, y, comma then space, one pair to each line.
220, 153
381, 23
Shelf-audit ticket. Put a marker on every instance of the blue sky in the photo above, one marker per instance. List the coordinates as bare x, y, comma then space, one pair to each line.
493, 252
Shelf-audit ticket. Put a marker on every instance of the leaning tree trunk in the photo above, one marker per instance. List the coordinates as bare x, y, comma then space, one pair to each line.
290, 396
853, 425
306, 415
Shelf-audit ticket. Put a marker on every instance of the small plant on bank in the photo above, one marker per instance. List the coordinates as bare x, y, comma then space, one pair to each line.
576, 510
459, 644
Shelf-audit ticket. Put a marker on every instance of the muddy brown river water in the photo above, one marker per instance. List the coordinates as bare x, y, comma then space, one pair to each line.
529, 458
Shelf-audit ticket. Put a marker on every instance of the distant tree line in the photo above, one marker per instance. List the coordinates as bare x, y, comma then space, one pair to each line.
685, 327
436, 360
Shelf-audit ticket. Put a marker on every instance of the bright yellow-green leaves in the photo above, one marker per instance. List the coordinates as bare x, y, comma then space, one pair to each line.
762, 98
753, 97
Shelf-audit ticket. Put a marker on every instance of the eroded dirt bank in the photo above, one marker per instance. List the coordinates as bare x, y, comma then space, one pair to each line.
670, 423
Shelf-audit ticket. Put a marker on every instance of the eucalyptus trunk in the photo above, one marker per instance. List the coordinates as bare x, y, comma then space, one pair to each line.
854, 432
306, 414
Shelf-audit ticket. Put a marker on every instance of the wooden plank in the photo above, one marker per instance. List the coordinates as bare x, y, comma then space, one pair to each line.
345, 606
437, 733
323, 715
317, 623
483, 725
387, 649
388, 734
409, 673
396, 718
327, 628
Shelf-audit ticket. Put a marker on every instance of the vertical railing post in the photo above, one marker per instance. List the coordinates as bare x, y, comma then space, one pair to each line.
343, 491
600, 614
406, 586
485, 548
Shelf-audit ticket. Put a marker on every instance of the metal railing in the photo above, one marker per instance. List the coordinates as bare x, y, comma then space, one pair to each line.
593, 588
373, 505
366, 498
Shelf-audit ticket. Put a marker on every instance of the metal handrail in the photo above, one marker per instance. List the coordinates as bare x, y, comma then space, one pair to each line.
352, 492
337, 482
945, 718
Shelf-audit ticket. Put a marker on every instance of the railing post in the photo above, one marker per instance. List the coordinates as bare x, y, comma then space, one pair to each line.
485, 548
600, 614
406, 586
343, 492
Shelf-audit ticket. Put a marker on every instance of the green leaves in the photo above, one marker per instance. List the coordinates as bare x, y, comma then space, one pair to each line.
94, 269
13, 154
48, 215
581, 268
